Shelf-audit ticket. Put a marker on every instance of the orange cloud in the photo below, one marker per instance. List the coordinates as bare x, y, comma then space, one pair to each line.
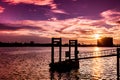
1, 9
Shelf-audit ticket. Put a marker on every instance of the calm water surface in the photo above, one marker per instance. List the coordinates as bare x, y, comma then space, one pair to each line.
32, 63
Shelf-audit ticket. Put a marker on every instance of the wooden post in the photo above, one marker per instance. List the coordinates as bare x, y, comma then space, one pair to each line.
69, 49
52, 51
118, 55
60, 49
76, 51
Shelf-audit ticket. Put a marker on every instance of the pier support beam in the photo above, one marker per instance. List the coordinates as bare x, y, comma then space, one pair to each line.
76, 51
52, 51
60, 49
56, 42
118, 65
73, 43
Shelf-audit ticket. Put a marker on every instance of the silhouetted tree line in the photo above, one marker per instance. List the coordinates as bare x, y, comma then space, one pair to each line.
32, 44
18, 44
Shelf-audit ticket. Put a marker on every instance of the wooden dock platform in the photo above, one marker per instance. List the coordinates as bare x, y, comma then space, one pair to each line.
64, 66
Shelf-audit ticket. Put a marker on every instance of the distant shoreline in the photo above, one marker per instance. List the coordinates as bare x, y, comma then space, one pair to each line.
57, 46
32, 44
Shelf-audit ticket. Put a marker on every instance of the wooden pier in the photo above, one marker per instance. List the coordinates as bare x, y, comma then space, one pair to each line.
71, 63
68, 64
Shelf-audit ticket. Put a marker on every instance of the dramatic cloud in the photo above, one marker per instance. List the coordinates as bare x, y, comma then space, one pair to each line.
110, 13
1, 9
79, 28
76, 19
50, 3
34, 2
111, 17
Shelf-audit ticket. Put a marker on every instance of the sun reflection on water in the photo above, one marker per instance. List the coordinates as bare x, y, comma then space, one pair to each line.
96, 49
97, 64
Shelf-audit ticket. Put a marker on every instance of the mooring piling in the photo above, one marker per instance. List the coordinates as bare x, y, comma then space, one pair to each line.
118, 65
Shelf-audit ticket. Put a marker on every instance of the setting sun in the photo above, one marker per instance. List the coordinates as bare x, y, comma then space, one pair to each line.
97, 36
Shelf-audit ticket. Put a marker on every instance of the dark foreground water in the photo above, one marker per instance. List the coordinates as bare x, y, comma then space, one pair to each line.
32, 63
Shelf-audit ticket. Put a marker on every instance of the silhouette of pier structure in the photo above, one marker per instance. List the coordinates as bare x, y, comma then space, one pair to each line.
71, 61
97, 54
68, 64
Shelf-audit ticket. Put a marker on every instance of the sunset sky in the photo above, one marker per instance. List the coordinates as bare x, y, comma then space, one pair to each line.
39, 20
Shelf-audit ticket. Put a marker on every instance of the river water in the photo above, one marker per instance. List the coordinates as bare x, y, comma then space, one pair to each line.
32, 63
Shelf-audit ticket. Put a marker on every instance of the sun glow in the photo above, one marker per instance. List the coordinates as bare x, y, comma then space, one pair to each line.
97, 36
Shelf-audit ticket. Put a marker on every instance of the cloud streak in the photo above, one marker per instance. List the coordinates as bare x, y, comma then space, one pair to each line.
111, 17
35, 2
14, 27
1, 9
49, 3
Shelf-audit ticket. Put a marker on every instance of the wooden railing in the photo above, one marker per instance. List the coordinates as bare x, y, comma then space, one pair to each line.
96, 54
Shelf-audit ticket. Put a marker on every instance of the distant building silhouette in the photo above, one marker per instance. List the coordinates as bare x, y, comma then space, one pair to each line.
105, 42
